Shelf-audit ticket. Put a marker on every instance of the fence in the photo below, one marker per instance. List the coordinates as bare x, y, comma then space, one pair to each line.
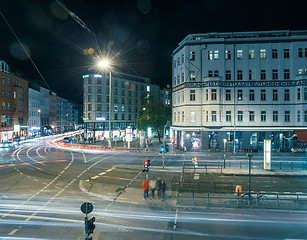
276, 200
204, 166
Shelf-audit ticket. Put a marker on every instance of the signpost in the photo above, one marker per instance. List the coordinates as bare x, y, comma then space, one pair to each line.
267, 154
86, 208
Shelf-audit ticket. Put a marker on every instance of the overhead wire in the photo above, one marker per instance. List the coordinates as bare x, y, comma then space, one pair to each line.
24, 49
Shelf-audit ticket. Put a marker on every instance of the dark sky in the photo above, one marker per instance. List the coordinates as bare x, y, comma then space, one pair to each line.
139, 35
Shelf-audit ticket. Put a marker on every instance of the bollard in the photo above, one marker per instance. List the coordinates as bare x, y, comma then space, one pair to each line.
192, 198
279, 165
208, 202
277, 200
240, 165
291, 165
177, 197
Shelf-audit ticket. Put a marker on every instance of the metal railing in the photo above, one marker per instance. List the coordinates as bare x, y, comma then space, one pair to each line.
276, 200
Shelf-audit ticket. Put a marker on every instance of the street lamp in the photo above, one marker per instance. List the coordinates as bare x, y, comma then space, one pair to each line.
106, 65
225, 141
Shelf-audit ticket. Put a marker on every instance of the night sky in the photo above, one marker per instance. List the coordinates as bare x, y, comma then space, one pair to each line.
138, 35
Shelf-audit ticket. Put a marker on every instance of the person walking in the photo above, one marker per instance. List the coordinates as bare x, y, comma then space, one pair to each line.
163, 188
158, 187
145, 185
152, 186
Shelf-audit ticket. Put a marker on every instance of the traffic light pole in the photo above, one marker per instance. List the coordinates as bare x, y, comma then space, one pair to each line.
86, 227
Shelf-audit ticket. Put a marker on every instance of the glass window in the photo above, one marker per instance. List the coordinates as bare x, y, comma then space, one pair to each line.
213, 116
192, 56
262, 54
89, 107
263, 95
193, 117
275, 74
251, 75
298, 94
99, 98
263, 116
89, 98
263, 75
216, 54
275, 116
192, 95
251, 116
227, 54
239, 54
286, 53
240, 75
251, 54
192, 76
287, 74
89, 89
228, 75
213, 94
275, 95
210, 55
99, 89
228, 95
228, 116
287, 116
99, 107
240, 116
240, 95
274, 53
287, 94
298, 118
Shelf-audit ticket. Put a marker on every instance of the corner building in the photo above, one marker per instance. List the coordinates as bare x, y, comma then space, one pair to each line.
247, 86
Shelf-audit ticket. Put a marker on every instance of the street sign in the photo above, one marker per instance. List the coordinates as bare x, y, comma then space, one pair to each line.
87, 208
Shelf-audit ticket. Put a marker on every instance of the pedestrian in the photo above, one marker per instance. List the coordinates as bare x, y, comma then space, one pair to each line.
163, 188
158, 187
145, 185
152, 186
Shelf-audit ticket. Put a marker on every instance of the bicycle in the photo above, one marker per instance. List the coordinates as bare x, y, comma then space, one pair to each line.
261, 199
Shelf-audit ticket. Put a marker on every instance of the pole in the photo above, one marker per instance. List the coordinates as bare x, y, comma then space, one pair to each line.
110, 105
224, 153
249, 173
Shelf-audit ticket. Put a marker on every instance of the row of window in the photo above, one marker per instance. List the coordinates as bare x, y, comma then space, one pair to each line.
114, 92
115, 108
15, 95
116, 116
125, 84
14, 83
228, 75
179, 97
263, 54
7, 107
7, 121
115, 99
264, 116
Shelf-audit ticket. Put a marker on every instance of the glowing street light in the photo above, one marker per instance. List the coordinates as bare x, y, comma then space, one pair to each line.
106, 65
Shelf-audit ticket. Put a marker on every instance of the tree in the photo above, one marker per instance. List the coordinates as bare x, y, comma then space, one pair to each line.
153, 114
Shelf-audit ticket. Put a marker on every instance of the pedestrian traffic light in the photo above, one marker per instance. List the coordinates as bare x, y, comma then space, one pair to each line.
90, 226
146, 165
166, 148
162, 149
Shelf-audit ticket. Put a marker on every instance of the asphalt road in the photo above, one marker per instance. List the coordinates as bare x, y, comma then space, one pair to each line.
41, 199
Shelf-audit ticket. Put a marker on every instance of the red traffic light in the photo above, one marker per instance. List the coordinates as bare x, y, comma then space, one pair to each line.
146, 163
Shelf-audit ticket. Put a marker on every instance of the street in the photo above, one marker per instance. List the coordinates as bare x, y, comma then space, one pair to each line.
43, 187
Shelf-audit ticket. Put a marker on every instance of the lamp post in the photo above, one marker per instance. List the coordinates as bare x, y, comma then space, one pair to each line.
106, 64
225, 141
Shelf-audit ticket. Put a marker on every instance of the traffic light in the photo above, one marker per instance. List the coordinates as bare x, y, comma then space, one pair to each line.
166, 148
90, 226
162, 149
146, 165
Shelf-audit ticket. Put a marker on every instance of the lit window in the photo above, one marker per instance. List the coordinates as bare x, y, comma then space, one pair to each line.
239, 54
193, 117
192, 56
251, 54
262, 54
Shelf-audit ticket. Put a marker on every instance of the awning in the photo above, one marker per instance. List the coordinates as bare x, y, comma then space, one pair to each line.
301, 135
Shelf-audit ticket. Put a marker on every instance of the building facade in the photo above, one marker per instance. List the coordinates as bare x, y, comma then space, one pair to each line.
34, 121
242, 87
127, 92
14, 105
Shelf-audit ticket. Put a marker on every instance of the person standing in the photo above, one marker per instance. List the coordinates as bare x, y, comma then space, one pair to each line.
163, 188
158, 187
152, 186
145, 185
